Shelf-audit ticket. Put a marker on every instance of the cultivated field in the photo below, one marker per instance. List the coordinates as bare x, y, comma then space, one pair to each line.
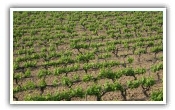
87, 56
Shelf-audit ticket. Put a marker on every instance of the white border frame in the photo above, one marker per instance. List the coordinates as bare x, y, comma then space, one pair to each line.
88, 102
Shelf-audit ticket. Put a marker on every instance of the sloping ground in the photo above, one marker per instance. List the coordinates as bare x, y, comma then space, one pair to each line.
74, 55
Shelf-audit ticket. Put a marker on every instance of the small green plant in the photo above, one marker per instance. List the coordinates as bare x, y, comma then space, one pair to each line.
157, 95
109, 87
76, 77
42, 83
30, 64
16, 66
42, 73
122, 90
55, 82
85, 57
16, 89
157, 67
130, 60
146, 84
133, 84
57, 71
28, 98
129, 72
29, 85
87, 78
78, 92
140, 70
66, 81
95, 90
27, 73
18, 75
86, 66
156, 50
107, 73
